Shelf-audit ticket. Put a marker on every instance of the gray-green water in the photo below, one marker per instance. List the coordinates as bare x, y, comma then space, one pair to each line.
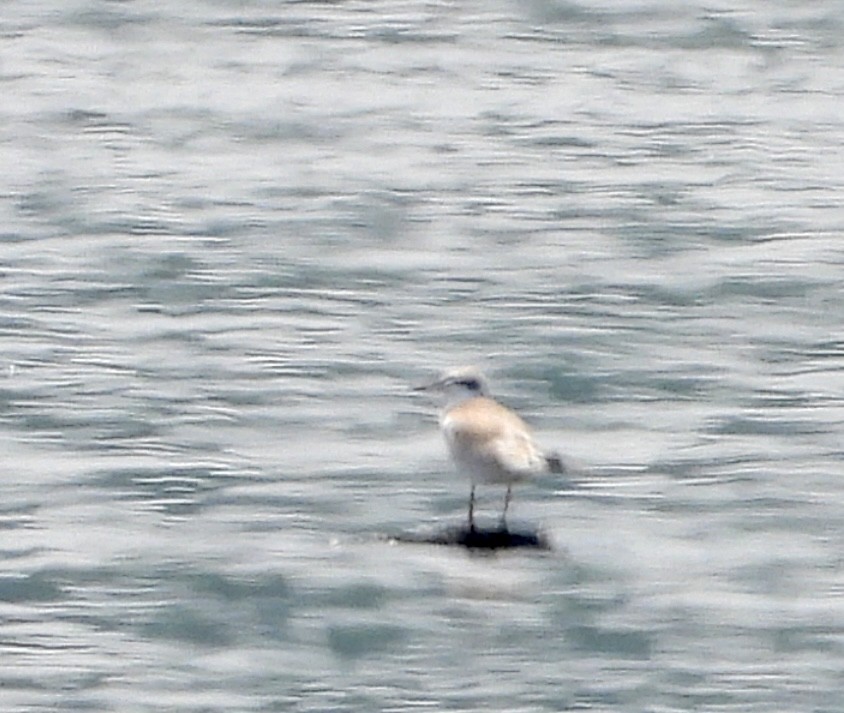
234, 235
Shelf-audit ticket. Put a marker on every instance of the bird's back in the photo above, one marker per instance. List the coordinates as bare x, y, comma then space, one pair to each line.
491, 442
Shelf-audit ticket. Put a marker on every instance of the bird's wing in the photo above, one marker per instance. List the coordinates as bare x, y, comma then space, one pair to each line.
483, 430
517, 453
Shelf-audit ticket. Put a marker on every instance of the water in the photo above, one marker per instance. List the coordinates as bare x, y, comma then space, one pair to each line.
234, 234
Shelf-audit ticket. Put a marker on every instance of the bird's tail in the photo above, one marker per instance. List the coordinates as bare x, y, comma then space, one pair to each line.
554, 463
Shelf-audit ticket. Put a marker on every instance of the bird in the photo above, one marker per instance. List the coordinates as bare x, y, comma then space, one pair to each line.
486, 440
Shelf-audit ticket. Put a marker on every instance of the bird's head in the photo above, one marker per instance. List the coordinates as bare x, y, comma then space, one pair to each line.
456, 385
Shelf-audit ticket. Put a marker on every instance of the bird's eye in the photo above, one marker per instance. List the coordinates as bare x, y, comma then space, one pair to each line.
471, 384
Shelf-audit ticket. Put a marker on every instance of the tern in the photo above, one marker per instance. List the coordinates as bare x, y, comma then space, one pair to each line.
487, 441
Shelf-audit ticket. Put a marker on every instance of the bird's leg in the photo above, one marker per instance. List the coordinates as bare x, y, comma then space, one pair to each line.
506, 505
472, 509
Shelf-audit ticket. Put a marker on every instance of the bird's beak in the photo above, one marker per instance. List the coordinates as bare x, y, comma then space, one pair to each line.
427, 387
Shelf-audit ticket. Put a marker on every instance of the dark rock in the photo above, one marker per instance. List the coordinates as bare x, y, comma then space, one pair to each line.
479, 538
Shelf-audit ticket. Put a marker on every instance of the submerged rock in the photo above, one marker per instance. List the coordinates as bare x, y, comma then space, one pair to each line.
479, 538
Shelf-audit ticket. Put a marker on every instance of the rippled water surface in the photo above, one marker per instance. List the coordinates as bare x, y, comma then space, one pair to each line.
235, 234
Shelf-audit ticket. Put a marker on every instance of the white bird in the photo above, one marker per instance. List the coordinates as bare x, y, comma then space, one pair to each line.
487, 441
